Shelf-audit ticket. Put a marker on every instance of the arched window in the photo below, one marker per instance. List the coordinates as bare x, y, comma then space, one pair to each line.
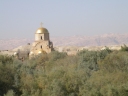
41, 37
41, 46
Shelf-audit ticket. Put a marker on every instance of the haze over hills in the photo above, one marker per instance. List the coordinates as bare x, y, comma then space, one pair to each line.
99, 40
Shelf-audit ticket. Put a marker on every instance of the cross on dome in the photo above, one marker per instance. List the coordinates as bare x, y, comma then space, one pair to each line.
41, 24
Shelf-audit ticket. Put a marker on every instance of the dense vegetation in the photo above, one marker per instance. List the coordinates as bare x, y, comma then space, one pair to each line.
89, 73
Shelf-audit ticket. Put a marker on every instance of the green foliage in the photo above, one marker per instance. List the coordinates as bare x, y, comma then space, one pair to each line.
115, 61
55, 55
10, 93
6, 74
124, 48
89, 73
90, 59
6, 59
112, 78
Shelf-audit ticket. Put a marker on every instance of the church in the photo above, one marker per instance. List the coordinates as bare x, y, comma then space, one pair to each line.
42, 43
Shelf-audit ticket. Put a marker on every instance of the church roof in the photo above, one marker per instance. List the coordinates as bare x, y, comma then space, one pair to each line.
41, 30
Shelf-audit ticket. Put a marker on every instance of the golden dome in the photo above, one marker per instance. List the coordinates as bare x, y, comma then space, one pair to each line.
41, 30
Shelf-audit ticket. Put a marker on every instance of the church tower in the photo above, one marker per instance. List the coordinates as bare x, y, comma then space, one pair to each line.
42, 43
41, 34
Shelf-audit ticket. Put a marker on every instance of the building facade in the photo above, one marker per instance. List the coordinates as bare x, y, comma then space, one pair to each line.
42, 43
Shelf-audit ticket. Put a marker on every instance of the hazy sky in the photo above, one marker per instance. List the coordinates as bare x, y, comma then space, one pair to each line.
21, 18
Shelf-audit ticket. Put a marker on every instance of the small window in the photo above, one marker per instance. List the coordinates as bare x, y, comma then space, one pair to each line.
41, 37
41, 46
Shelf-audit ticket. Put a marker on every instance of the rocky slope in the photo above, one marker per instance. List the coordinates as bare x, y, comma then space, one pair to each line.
99, 40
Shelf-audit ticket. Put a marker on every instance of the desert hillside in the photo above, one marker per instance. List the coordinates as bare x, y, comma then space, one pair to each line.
99, 40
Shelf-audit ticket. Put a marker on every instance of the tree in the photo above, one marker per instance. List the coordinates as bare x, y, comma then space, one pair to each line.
124, 48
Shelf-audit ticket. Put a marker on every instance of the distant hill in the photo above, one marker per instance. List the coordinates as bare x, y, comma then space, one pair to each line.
7, 44
99, 40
